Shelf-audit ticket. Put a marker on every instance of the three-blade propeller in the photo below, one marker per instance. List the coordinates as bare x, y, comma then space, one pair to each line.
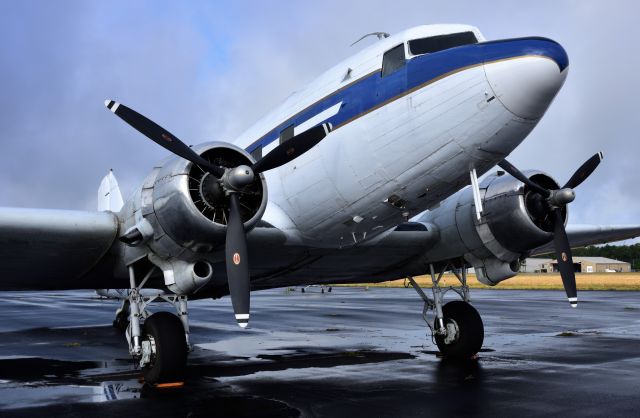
232, 180
555, 201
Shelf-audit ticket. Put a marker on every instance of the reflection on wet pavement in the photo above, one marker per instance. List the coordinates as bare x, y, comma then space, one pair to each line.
349, 352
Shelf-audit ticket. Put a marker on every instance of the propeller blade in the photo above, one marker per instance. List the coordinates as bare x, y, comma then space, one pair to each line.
237, 263
292, 149
511, 169
584, 171
565, 259
161, 136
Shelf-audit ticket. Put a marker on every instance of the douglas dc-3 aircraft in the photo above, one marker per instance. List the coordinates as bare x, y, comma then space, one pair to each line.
372, 174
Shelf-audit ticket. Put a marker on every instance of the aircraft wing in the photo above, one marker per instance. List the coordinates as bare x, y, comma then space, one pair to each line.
51, 249
583, 235
405, 251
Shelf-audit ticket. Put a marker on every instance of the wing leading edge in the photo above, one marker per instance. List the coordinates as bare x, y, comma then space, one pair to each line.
44, 249
583, 235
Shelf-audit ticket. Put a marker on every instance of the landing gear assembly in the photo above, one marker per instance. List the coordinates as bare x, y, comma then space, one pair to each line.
159, 342
457, 328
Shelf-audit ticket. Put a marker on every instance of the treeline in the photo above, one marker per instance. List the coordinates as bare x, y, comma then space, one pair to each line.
628, 253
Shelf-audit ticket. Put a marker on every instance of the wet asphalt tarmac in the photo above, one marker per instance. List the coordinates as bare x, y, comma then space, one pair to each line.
350, 352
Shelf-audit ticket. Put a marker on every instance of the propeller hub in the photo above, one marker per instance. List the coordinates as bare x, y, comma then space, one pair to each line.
562, 197
239, 177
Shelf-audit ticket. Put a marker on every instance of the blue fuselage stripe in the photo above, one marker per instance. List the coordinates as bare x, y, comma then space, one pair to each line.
373, 91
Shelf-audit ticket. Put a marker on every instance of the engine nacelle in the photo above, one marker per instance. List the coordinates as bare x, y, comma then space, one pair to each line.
180, 215
514, 221
192, 210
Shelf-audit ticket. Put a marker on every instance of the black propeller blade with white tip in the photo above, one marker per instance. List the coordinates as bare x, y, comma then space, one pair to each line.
584, 171
160, 136
565, 259
233, 180
556, 199
236, 261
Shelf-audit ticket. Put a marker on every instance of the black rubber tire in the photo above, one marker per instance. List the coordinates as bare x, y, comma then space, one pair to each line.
471, 330
170, 361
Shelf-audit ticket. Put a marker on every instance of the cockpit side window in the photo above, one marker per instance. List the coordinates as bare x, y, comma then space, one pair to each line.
440, 43
393, 60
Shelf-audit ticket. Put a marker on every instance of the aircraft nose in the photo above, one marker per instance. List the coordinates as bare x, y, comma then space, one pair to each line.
527, 82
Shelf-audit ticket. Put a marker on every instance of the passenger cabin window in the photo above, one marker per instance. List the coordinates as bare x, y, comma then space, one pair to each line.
257, 153
286, 134
393, 60
440, 43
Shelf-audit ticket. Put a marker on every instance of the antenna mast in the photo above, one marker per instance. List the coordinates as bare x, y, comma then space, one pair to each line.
380, 35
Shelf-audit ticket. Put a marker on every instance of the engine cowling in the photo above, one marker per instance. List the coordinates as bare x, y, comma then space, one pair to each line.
514, 221
181, 211
193, 209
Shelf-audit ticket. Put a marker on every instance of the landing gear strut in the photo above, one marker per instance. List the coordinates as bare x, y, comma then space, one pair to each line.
457, 328
159, 341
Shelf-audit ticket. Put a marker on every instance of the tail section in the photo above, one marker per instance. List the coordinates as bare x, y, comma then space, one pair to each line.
109, 196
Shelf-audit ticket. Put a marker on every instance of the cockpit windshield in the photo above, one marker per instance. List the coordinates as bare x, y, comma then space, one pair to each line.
441, 42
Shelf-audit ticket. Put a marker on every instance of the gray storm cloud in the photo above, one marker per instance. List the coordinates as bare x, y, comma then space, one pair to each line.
208, 70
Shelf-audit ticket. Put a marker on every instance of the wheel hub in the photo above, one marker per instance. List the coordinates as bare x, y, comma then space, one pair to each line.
452, 332
148, 352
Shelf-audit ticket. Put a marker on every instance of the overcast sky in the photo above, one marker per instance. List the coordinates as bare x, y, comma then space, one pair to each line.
207, 70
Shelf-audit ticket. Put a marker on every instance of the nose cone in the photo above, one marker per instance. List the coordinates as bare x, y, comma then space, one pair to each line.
527, 82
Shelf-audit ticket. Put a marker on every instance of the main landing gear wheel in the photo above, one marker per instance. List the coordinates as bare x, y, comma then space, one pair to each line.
165, 334
465, 332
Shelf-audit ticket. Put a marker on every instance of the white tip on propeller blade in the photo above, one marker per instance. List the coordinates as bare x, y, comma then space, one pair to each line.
112, 105
573, 302
243, 320
328, 127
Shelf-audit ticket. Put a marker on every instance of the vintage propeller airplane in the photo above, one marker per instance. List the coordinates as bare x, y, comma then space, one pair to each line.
372, 172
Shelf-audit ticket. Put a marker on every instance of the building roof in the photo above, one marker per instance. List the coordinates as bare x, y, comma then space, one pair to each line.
538, 261
597, 260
